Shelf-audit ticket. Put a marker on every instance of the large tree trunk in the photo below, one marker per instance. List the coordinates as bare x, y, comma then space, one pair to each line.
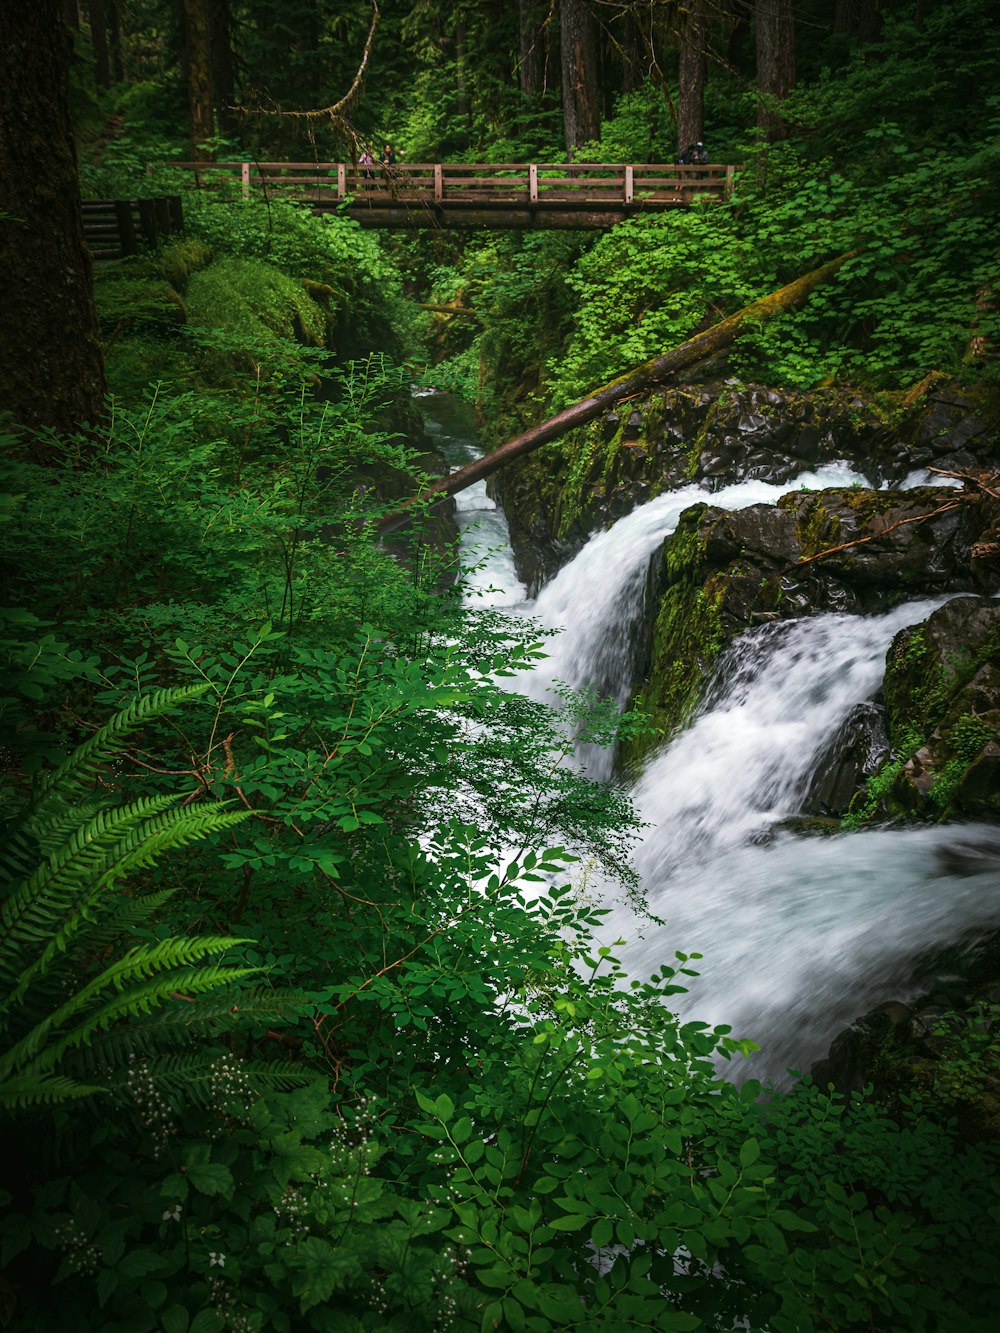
581, 82
532, 47
51, 367
99, 41
115, 40
775, 61
644, 377
220, 49
691, 77
633, 52
199, 76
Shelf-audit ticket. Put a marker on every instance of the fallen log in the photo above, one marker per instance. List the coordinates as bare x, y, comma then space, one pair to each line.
449, 309
643, 377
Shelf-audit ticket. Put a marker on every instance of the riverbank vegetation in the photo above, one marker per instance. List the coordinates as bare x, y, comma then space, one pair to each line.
309, 1021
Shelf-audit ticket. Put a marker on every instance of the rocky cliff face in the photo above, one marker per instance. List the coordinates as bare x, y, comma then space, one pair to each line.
721, 573
718, 434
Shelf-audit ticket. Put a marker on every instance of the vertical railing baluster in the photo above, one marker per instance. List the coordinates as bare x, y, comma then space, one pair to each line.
533, 183
629, 183
245, 173
438, 183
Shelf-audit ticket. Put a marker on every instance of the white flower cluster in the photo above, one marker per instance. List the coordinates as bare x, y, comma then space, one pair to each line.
153, 1109
221, 1295
81, 1254
451, 1269
231, 1085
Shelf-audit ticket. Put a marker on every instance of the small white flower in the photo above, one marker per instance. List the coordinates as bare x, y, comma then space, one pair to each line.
215, 1258
172, 1214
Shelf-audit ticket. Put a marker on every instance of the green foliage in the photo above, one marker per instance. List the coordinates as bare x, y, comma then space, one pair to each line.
254, 301
74, 997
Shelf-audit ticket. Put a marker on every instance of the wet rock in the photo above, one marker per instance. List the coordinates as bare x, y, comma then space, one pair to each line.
724, 572
942, 692
854, 755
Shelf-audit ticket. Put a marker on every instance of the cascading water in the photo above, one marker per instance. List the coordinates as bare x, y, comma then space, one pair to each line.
798, 934
597, 599
491, 578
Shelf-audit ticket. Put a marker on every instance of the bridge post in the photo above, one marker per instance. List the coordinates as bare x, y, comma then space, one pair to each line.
245, 174
629, 183
341, 180
127, 239
533, 183
438, 183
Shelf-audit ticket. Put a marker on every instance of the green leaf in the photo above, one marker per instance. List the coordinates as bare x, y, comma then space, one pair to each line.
211, 1178
749, 1152
175, 1320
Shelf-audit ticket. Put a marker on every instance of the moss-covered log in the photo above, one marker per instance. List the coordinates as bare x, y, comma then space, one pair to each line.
652, 372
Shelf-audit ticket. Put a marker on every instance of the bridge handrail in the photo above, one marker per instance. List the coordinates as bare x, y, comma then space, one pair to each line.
603, 182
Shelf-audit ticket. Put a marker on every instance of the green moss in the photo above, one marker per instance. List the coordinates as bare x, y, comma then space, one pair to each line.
130, 303
687, 636
591, 467
254, 301
132, 364
178, 260
817, 529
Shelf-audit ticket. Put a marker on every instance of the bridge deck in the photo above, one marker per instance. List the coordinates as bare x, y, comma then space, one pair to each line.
504, 195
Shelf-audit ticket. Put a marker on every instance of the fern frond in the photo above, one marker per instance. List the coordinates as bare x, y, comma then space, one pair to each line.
127, 915
140, 980
25, 1090
202, 1084
30, 916
79, 770
68, 869
172, 1026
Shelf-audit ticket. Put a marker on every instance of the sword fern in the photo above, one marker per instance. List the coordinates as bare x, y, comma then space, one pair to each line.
80, 997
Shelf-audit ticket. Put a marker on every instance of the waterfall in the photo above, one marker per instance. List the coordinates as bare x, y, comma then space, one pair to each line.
491, 579
798, 935
596, 601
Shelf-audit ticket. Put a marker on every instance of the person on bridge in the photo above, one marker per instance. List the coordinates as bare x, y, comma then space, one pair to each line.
699, 154
366, 162
388, 156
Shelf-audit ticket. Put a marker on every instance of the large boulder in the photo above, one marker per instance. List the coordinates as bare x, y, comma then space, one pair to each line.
942, 696
845, 549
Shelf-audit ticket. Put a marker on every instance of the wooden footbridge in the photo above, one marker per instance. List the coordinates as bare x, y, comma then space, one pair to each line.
518, 196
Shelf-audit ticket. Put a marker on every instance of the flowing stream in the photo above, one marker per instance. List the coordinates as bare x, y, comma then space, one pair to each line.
798, 935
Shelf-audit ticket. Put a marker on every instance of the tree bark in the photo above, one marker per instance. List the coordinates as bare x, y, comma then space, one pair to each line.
199, 76
220, 51
99, 41
581, 83
532, 48
775, 20
691, 78
115, 40
51, 367
645, 376
633, 50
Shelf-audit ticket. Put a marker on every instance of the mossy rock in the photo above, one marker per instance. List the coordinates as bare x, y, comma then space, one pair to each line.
178, 260
132, 304
254, 301
942, 693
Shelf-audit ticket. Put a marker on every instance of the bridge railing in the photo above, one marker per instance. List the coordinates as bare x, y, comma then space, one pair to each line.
542, 183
